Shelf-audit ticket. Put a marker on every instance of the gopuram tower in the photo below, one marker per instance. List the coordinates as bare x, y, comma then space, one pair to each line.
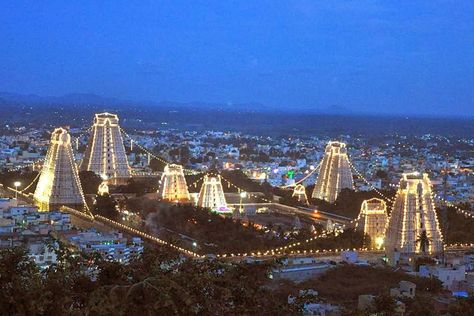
212, 195
173, 186
373, 221
335, 173
413, 225
59, 183
105, 154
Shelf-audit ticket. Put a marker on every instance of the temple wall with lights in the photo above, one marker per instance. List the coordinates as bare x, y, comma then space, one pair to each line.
335, 173
105, 153
59, 183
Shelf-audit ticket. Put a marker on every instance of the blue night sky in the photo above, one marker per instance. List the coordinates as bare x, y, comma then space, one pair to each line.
414, 57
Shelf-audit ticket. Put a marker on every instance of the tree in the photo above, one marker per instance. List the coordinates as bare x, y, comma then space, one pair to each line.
424, 241
106, 206
385, 304
19, 281
156, 165
421, 305
462, 306
90, 181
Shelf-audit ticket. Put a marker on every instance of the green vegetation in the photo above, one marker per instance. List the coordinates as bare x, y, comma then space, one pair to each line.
459, 226
90, 182
155, 284
224, 233
106, 206
344, 284
348, 202
7, 178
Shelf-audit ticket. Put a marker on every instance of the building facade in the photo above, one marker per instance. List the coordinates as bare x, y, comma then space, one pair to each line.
413, 223
373, 221
59, 183
173, 187
105, 153
212, 194
335, 173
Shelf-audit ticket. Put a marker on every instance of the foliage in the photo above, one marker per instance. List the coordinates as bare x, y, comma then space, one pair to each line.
238, 178
7, 178
344, 284
228, 234
156, 165
90, 182
348, 202
423, 240
462, 306
384, 304
106, 206
138, 186
420, 305
459, 226
158, 283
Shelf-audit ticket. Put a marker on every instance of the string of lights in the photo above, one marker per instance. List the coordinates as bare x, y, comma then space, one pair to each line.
370, 184
31, 164
242, 190
32, 182
297, 252
188, 171
195, 182
467, 214
148, 236
303, 179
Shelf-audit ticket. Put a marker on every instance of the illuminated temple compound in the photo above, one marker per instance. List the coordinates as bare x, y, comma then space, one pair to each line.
335, 173
105, 153
413, 212
212, 195
59, 183
173, 186
373, 221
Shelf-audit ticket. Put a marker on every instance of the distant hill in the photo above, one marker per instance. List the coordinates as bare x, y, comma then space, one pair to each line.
78, 110
96, 101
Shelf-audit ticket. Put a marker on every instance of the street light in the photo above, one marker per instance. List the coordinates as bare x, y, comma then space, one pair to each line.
16, 184
242, 195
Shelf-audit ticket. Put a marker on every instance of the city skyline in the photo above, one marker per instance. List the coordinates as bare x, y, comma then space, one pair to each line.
363, 57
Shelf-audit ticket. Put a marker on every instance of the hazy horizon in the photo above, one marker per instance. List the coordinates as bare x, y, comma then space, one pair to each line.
387, 58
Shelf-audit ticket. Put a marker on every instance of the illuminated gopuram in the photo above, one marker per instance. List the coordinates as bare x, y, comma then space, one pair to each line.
59, 183
335, 173
300, 193
212, 195
413, 214
173, 186
373, 221
105, 153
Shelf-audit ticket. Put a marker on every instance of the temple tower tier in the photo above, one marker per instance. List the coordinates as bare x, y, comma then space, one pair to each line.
59, 183
173, 185
105, 153
212, 195
335, 173
413, 226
